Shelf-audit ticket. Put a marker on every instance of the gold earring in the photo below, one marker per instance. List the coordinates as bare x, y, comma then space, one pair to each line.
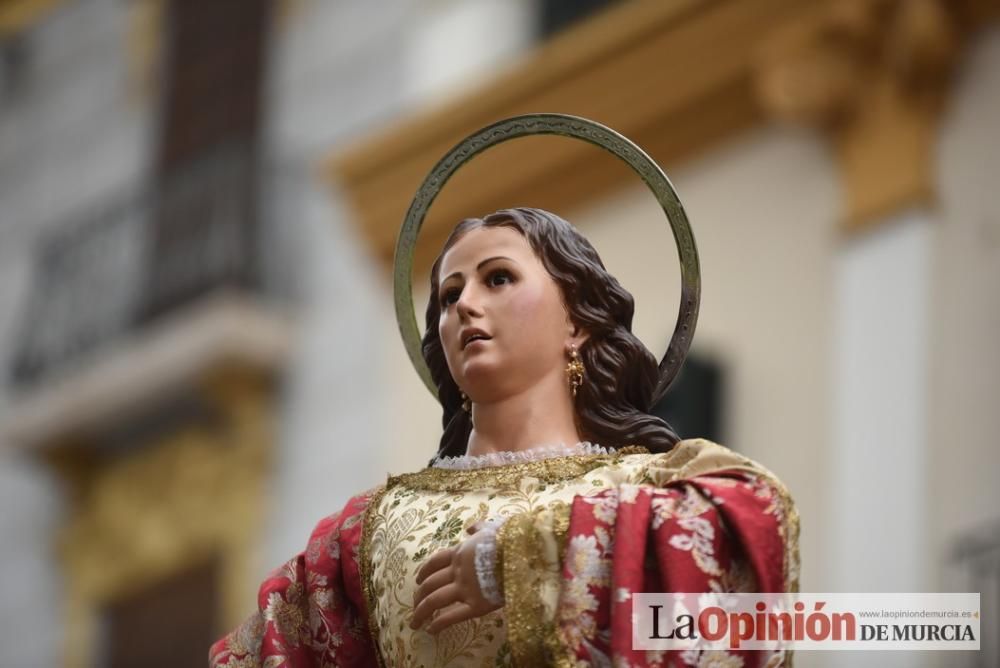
466, 404
574, 370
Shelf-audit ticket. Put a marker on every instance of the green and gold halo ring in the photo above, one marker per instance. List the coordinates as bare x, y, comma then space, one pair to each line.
565, 126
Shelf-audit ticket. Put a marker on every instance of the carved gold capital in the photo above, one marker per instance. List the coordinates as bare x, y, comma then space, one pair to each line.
874, 76
19, 15
191, 495
144, 46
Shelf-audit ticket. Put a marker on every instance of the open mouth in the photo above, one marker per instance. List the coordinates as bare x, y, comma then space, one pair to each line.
474, 337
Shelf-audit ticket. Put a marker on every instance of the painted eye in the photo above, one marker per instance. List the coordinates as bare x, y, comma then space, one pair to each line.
449, 297
499, 277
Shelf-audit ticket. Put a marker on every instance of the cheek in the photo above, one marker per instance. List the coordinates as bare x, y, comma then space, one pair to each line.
526, 305
446, 335
446, 331
540, 312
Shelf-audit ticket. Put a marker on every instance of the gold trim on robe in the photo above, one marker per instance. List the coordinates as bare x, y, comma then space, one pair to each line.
417, 514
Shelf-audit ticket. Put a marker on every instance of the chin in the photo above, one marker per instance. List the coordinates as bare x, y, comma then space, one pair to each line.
481, 373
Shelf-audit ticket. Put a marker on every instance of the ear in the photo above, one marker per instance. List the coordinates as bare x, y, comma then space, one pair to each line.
576, 336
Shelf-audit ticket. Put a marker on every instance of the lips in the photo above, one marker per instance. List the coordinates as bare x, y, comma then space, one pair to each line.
473, 334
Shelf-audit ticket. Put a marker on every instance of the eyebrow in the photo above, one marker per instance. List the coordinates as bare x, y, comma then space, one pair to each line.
479, 266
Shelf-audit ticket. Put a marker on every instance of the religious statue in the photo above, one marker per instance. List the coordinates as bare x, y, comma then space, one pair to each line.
555, 495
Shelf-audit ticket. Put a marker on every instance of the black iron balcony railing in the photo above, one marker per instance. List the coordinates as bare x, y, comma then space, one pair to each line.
136, 258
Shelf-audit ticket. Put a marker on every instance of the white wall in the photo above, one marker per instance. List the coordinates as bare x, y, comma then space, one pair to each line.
879, 533
72, 134
453, 43
965, 395
963, 415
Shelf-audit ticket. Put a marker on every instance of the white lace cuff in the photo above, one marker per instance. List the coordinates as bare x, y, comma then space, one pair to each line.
486, 562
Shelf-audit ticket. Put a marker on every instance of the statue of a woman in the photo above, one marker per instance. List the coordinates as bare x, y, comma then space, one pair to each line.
554, 496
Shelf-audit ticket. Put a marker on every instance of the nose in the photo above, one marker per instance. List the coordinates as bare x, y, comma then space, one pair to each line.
468, 303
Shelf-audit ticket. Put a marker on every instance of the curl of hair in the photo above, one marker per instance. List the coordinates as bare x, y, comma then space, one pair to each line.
612, 405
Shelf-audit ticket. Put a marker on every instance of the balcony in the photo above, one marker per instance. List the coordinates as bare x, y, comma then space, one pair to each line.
139, 296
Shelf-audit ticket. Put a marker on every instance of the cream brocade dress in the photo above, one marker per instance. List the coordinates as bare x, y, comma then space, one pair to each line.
416, 514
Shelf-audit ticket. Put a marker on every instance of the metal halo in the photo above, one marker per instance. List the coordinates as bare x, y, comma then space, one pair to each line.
566, 126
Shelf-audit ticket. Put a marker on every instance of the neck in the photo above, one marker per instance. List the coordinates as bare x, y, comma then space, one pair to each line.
541, 415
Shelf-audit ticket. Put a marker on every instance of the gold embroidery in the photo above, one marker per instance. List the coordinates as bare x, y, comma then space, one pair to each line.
287, 616
365, 567
416, 514
789, 526
510, 476
532, 573
560, 523
248, 636
242, 645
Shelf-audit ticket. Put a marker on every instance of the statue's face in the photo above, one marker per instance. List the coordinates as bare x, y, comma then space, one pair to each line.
503, 325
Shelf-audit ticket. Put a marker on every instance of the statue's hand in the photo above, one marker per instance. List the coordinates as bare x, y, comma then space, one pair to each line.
447, 588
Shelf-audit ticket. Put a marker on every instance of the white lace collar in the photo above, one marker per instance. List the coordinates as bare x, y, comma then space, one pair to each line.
470, 462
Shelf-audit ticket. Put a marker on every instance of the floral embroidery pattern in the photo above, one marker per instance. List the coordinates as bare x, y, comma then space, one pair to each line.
411, 526
720, 532
308, 617
606, 525
698, 542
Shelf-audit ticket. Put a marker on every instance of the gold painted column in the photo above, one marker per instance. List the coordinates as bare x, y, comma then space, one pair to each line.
189, 495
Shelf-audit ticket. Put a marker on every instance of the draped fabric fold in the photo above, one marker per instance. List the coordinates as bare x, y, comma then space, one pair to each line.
571, 605
311, 609
582, 534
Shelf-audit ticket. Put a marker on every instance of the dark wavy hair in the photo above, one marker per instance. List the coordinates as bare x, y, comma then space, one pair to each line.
612, 405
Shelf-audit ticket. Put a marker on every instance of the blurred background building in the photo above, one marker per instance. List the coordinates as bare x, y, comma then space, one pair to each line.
198, 205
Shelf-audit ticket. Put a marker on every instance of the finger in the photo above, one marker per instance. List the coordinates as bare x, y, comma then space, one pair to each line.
453, 614
437, 599
437, 561
434, 581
